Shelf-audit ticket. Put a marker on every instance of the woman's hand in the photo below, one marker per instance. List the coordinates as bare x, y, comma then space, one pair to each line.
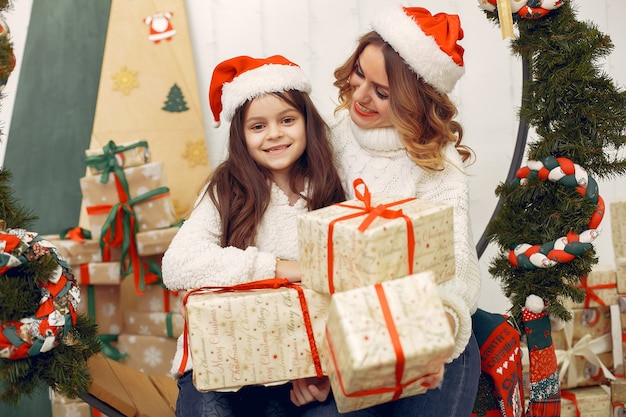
307, 390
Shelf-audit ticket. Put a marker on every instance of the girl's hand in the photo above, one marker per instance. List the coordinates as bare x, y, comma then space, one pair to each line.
307, 390
289, 270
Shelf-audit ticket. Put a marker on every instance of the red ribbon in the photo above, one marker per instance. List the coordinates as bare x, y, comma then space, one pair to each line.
382, 210
590, 295
84, 274
568, 395
270, 283
397, 346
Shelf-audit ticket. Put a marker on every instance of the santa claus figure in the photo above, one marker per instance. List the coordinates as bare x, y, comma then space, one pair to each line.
160, 27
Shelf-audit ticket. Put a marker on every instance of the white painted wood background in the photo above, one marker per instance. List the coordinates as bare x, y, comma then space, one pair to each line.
319, 35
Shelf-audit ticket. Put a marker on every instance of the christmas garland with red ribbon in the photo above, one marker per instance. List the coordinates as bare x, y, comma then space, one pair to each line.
566, 248
58, 305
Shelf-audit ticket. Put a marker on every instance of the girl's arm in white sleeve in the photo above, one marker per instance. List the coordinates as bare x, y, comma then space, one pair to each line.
195, 257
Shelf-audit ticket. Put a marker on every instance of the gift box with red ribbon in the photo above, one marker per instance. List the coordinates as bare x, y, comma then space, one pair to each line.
600, 287
618, 397
139, 192
372, 239
382, 339
97, 273
587, 402
262, 332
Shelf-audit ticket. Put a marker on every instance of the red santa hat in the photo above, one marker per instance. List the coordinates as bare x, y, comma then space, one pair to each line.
242, 78
426, 42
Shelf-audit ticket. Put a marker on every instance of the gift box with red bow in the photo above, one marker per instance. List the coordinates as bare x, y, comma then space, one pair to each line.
258, 333
372, 239
382, 339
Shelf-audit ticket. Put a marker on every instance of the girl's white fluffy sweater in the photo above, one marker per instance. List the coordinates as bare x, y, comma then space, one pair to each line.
195, 257
379, 158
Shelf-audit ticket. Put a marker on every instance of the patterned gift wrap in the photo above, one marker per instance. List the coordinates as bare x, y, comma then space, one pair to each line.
381, 339
373, 239
618, 227
586, 402
150, 354
97, 273
583, 348
103, 303
148, 196
594, 322
620, 274
65, 407
81, 252
155, 242
156, 323
254, 336
600, 286
618, 397
155, 298
124, 155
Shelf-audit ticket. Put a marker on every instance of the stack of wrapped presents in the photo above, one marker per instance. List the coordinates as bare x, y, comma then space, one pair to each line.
590, 347
367, 313
117, 258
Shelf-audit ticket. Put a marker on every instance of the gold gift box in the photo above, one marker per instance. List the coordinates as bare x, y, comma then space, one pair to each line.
364, 329
257, 336
338, 251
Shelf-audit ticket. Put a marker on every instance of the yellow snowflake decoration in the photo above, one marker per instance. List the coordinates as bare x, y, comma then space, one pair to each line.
125, 80
196, 153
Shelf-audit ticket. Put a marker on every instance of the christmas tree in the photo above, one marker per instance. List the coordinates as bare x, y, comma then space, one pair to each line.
43, 339
175, 101
551, 212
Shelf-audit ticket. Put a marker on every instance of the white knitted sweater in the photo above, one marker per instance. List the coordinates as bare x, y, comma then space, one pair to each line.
379, 158
195, 257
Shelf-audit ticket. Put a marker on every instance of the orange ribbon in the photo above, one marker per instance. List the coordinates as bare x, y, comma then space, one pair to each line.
382, 210
270, 283
590, 295
397, 346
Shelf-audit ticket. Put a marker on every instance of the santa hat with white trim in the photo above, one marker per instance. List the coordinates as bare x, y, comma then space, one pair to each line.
243, 78
426, 42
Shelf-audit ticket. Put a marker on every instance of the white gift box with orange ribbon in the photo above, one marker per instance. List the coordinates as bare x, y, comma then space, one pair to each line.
374, 238
381, 340
264, 332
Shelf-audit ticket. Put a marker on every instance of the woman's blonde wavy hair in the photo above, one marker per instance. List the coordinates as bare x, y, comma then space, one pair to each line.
422, 115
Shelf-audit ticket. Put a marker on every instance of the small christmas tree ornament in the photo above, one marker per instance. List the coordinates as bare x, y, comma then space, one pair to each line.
521, 9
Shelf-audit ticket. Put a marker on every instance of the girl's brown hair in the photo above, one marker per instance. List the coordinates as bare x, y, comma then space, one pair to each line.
240, 188
422, 116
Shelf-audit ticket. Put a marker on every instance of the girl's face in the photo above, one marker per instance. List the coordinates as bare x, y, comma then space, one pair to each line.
275, 134
370, 90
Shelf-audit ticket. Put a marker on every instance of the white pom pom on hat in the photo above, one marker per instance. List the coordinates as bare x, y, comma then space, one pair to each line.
242, 78
426, 42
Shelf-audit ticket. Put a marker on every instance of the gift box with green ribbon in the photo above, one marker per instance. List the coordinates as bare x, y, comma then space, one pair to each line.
155, 323
124, 155
140, 191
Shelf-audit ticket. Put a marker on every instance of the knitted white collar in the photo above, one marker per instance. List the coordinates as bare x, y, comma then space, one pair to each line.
379, 141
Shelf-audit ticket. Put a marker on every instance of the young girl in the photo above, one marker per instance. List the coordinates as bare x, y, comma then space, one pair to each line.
243, 226
395, 129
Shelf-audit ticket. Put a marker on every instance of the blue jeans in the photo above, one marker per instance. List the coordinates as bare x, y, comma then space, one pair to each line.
249, 401
454, 398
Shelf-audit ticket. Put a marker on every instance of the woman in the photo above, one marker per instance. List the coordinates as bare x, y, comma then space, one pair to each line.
394, 128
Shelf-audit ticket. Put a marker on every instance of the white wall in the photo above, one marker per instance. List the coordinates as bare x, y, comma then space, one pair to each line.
319, 34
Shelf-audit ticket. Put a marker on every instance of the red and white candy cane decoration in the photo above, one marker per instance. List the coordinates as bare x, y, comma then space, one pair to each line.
565, 248
525, 9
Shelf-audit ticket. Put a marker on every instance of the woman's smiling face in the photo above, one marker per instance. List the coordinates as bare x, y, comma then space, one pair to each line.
370, 90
